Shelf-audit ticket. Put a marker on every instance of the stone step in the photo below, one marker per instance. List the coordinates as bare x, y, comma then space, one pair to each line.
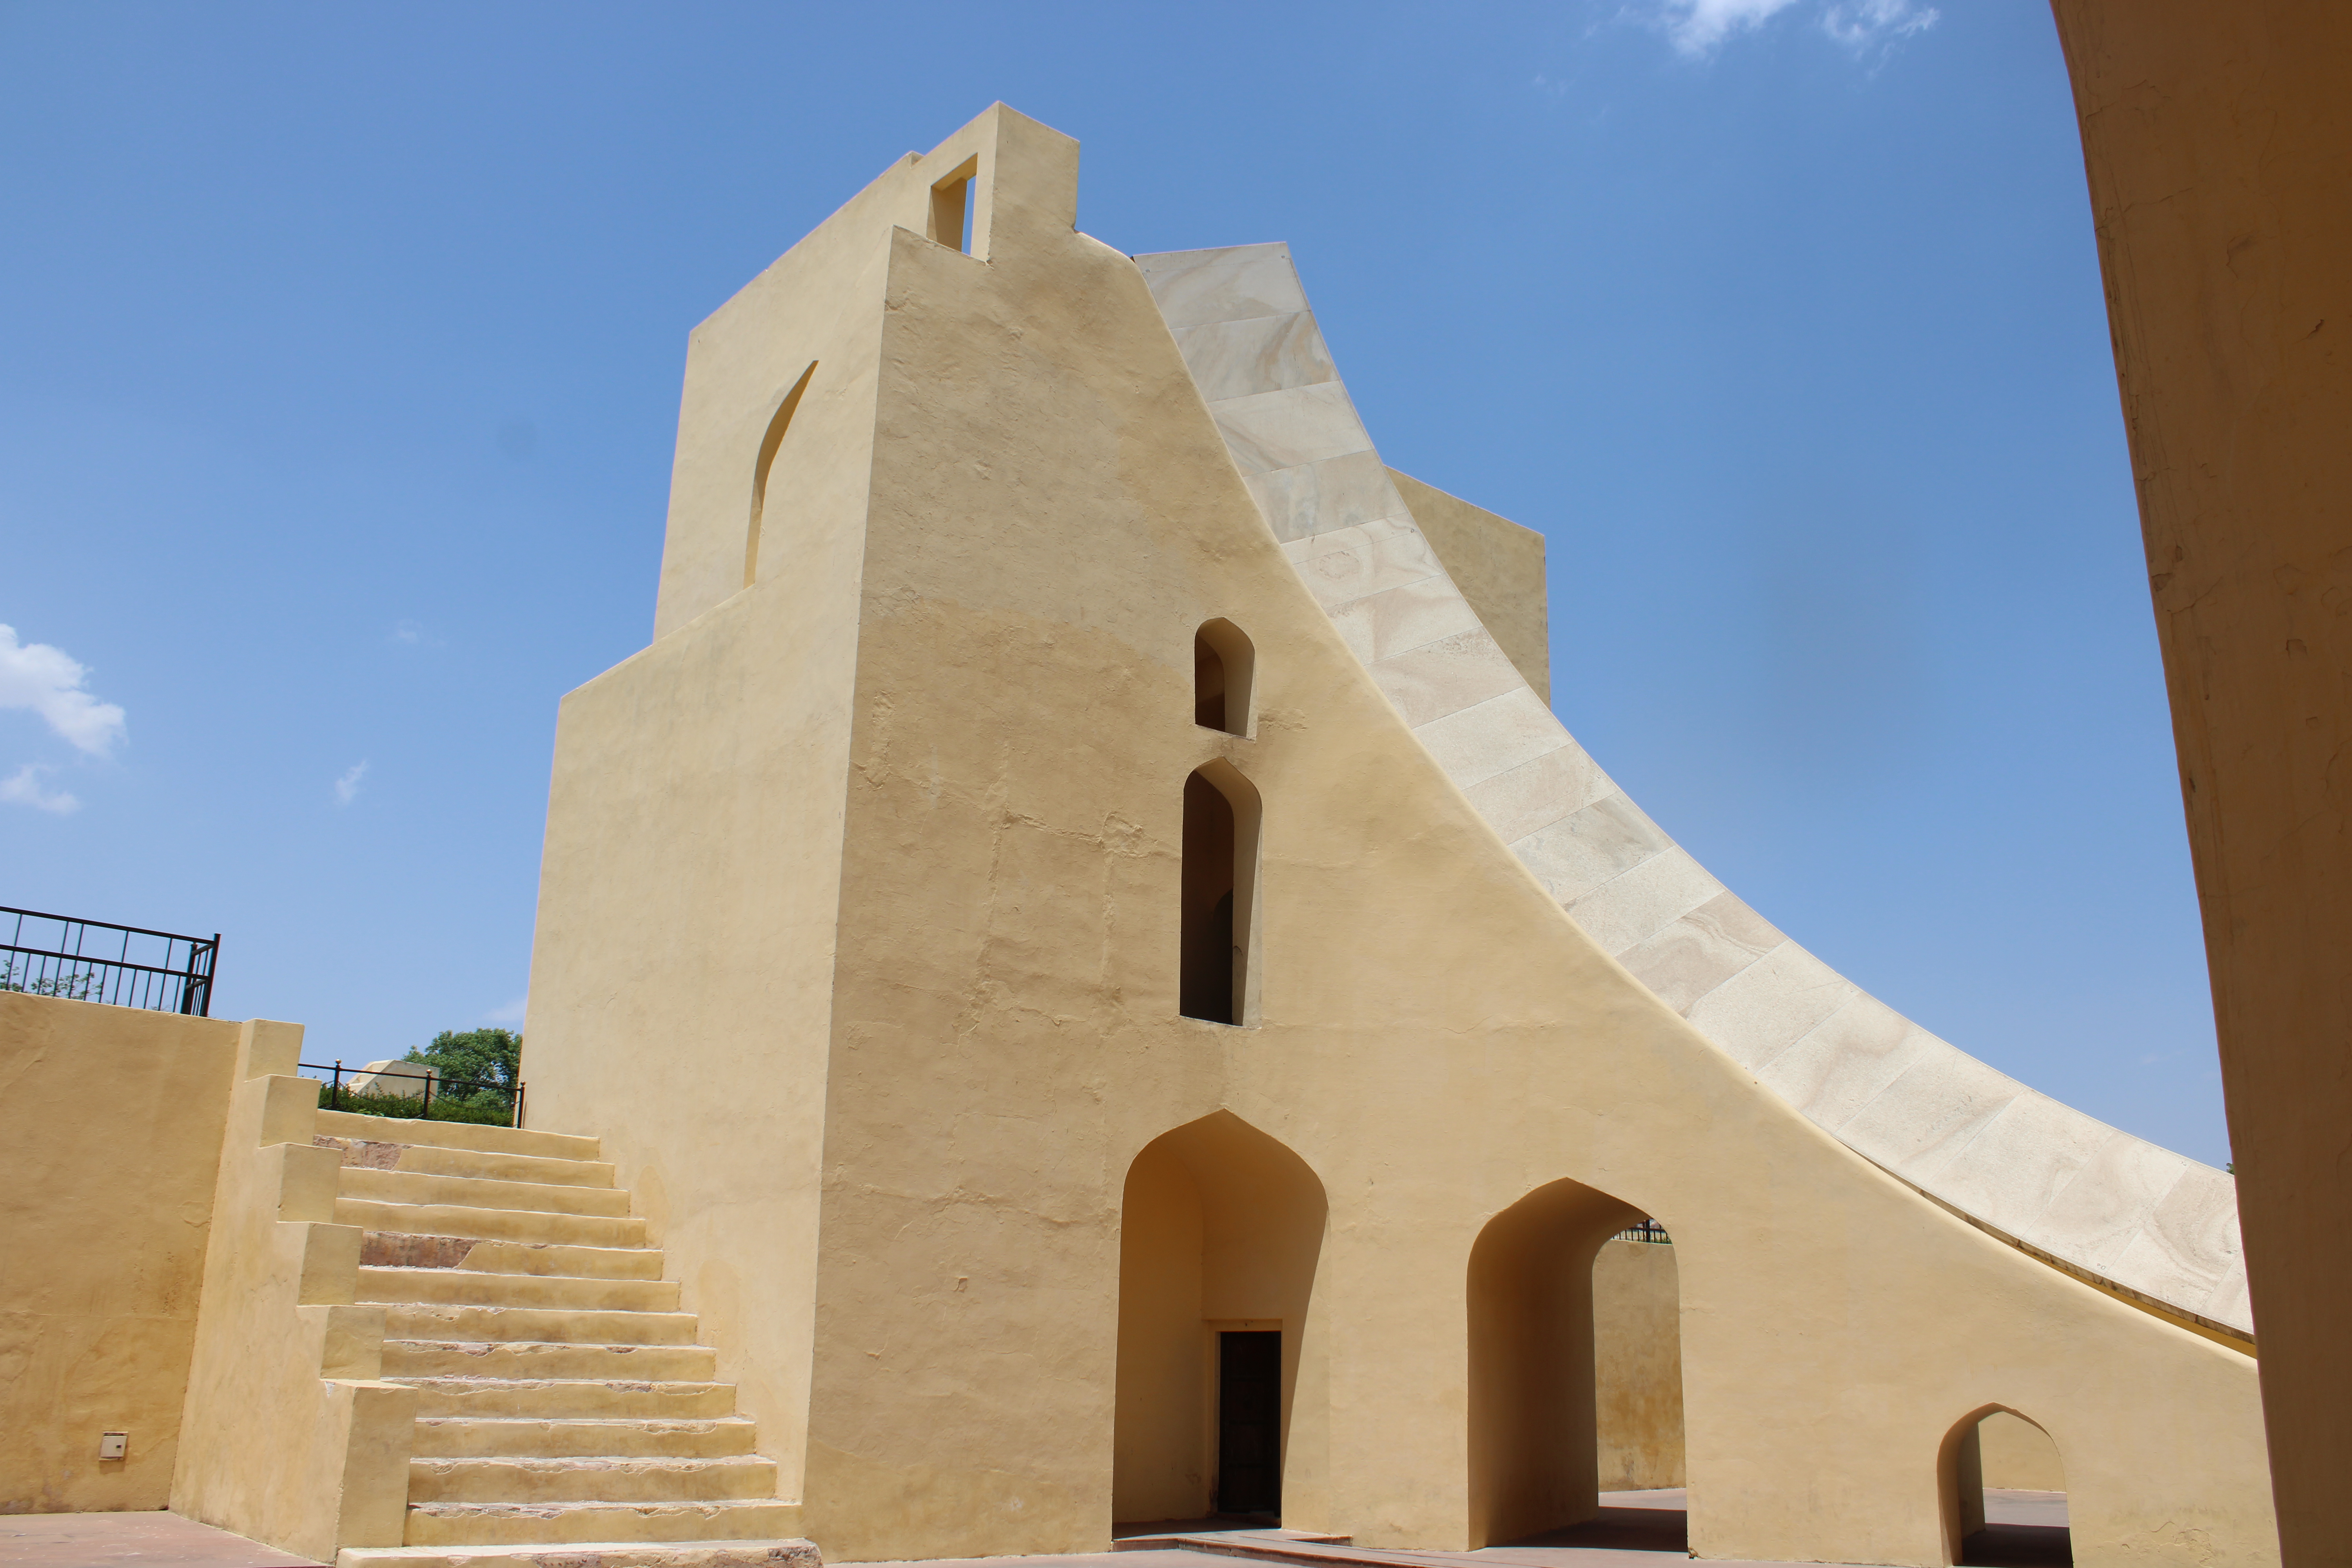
590, 1479
569, 1399
426, 1320
423, 1158
501, 1523
457, 1135
470, 1286
592, 1554
475, 1193
399, 1249
540, 1359
459, 1436
491, 1224
1298, 1548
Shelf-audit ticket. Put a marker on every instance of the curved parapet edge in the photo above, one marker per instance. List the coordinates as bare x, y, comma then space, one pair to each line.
2155, 1226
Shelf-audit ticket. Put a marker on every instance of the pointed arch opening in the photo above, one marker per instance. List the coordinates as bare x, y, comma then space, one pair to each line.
2002, 1484
1225, 664
769, 444
1221, 1230
1575, 1371
1214, 974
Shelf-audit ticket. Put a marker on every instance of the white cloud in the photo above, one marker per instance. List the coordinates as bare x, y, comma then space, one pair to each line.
23, 787
347, 788
47, 681
1859, 23
1697, 28
512, 1012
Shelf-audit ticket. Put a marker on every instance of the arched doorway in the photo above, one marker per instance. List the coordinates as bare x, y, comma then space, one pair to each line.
1536, 1428
2003, 1488
1219, 1231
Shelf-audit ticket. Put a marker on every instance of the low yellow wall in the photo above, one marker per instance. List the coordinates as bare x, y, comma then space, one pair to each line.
1637, 1366
111, 1118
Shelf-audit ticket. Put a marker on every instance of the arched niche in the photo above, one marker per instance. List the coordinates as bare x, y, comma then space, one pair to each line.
2004, 1452
1224, 669
1532, 1450
1218, 916
1221, 1229
763, 467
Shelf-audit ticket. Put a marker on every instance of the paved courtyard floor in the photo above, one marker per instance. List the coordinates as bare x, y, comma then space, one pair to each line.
109, 1539
1635, 1529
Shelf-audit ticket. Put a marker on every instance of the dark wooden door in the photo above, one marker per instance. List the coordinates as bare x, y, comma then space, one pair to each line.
1249, 1422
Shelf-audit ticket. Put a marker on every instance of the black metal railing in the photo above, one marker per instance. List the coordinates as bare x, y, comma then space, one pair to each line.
484, 1100
1644, 1230
91, 961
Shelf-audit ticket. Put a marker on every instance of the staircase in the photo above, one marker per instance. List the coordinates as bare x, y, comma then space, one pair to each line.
565, 1413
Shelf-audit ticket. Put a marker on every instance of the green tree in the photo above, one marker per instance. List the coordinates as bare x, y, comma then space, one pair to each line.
485, 1057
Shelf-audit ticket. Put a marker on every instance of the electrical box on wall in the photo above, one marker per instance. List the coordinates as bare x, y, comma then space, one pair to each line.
113, 1444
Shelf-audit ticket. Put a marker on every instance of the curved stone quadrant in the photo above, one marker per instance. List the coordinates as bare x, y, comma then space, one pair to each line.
2114, 1206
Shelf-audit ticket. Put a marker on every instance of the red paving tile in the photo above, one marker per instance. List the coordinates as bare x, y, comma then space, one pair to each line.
108, 1540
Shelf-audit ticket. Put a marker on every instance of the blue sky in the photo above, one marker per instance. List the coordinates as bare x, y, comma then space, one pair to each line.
339, 348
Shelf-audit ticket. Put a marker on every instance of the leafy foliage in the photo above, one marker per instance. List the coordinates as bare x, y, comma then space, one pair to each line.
479, 1069
488, 1107
485, 1057
20, 977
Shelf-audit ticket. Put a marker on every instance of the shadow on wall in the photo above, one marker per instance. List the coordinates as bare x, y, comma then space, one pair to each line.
1219, 1231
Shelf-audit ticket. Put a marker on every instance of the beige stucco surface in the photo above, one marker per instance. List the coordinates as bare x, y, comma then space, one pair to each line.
111, 1120
2014, 1452
858, 941
2214, 138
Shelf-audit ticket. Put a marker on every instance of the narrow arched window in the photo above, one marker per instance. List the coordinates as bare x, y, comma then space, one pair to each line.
1220, 877
778, 423
1223, 664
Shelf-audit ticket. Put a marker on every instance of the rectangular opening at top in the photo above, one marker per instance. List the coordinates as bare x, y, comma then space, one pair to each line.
951, 206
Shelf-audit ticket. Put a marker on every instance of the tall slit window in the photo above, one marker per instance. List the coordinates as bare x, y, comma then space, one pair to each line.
1221, 822
778, 424
1223, 662
951, 207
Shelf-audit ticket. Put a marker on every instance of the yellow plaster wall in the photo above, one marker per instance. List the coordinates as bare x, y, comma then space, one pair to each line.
111, 1120
912, 868
1499, 567
697, 799
2014, 1452
290, 1436
1637, 1366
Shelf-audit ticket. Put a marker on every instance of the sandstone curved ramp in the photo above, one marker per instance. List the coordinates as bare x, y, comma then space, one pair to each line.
2147, 1221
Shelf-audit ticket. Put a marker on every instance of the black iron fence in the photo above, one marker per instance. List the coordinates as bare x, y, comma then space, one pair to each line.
415, 1092
1644, 1230
90, 961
